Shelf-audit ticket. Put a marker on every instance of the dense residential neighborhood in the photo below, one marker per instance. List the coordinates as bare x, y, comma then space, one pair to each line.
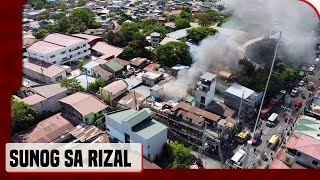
179, 77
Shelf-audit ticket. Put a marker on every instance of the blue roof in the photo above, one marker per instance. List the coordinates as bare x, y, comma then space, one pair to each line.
316, 101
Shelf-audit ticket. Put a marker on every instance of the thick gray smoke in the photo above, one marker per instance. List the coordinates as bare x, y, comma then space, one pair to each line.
258, 18
295, 19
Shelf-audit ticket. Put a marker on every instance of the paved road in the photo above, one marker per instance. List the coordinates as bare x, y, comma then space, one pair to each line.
208, 162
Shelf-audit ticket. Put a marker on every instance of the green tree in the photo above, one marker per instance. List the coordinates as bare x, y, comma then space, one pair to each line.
39, 5
82, 3
186, 15
81, 64
115, 38
204, 20
182, 23
181, 156
94, 87
41, 33
128, 30
199, 33
22, 116
73, 85
128, 53
173, 53
247, 67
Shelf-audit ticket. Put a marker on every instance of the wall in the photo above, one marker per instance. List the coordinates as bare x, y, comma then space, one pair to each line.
156, 144
193, 122
69, 111
42, 78
306, 160
208, 95
41, 107
115, 130
53, 102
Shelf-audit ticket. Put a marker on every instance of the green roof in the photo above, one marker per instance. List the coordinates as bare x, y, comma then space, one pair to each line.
138, 117
308, 126
148, 129
114, 66
121, 115
138, 120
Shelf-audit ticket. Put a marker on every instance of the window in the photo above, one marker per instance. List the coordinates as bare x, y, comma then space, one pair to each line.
63, 52
86, 119
58, 79
52, 56
199, 122
298, 154
149, 156
148, 147
64, 58
315, 162
54, 62
203, 99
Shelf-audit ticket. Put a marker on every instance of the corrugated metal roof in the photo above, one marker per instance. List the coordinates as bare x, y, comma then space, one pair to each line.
114, 66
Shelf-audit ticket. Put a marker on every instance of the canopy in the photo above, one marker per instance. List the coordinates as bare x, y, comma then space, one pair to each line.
273, 139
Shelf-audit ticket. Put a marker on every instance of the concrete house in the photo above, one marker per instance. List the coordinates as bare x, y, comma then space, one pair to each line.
113, 90
39, 103
44, 72
205, 89
89, 66
131, 126
83, 107
53, 93
304, 150
113, 67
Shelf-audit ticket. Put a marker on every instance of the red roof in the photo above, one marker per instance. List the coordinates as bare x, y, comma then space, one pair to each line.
137, 61
304, 144
152, 67
195, 110
107, 49
278, 164
45, 131
33, 99
49, 70
121, 61
116, 87
84, 103
102, 72
63, 40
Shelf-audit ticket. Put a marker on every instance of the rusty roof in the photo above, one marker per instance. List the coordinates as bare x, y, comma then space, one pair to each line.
84, 103
45, 131
189, 108
89, 133
102, 71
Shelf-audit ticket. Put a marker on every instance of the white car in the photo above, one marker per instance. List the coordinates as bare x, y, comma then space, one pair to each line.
301, 83
294, 92
311, 69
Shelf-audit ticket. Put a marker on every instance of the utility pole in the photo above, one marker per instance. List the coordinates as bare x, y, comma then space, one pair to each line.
135, 100
200, 155
240, 107
246, 158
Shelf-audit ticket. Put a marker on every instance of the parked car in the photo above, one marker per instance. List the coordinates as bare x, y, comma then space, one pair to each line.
301, 83
256, 138
270, 124
311, 69
294, 92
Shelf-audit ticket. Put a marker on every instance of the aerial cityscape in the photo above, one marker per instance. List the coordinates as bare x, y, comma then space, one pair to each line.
201, 84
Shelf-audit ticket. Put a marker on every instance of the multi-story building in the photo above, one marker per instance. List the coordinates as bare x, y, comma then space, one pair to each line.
155, 39
132, 126
59, 49
205, 89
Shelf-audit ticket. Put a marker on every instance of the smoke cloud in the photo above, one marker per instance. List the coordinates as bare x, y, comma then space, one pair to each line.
257, 18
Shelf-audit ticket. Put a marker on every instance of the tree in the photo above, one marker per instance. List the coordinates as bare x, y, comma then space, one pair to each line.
115, 38
262, 51
173, 53
73, 85
136, 48
186, 15
128, 53
22, 116
41, 33
128, 30
39, 5
181, 155
94, 87
182, 23
204, 20
81, 64
82, 3
199, 33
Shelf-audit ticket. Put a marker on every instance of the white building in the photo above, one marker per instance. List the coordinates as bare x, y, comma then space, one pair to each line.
155, 39
131, 126
205, 89
59, 49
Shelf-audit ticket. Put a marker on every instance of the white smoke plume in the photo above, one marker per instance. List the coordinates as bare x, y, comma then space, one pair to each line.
258, 18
